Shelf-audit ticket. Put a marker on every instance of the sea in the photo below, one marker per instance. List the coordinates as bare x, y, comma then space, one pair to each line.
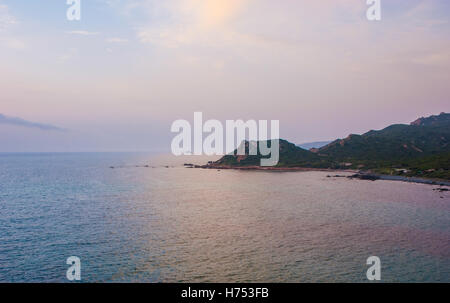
145, 217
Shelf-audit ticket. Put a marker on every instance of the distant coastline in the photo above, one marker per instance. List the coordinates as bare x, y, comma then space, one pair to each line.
356, 174
418, 152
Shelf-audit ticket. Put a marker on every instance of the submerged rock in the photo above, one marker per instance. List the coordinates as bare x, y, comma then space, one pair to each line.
364, 177
441, 189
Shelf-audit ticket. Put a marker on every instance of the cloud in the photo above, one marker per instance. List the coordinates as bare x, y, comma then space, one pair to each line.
116, 40
240, 24
185, 22
6, 19
211, 13
71, 52
83, 33
20, 122
13, 43
441, 58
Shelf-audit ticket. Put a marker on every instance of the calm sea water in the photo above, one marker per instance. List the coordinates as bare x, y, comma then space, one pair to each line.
171, 224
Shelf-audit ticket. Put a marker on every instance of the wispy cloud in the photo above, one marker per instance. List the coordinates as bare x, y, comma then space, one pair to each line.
116, 40
71, 52
188, 21
13, 43
83, 33
6, 19
441, 58
21, 122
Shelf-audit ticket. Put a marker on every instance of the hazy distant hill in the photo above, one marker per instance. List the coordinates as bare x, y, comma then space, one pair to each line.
310, 145
420, 149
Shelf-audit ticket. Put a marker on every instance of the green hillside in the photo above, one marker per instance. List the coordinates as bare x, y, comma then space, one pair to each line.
290, 156
425, 141
419, 149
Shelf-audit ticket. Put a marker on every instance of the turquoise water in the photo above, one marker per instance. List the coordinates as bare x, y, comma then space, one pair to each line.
172, 224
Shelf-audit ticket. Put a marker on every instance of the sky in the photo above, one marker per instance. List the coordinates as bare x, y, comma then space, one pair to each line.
116, 79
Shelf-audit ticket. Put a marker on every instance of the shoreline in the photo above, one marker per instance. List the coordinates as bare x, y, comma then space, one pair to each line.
420, 180
357, 174
274, 168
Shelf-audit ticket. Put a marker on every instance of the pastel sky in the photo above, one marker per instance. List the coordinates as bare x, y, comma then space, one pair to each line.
118, 78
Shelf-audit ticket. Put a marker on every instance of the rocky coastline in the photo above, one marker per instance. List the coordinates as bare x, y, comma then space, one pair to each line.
356, 174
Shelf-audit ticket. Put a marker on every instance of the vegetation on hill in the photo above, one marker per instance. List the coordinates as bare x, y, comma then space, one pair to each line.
290, 156
419, 149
